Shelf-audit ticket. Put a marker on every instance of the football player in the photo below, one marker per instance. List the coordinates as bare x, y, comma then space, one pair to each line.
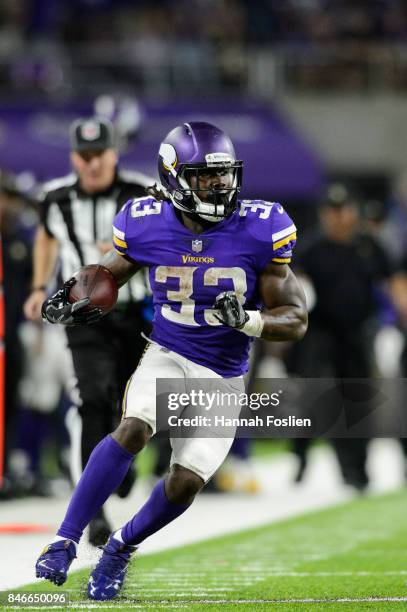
220, 277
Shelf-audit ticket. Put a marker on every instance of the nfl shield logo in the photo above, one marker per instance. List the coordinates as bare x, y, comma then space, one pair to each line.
197, 246
90, 131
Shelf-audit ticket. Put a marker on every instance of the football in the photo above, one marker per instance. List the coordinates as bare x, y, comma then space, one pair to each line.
98, 284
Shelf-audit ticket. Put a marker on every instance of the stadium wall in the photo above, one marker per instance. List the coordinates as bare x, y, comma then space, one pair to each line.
349, 132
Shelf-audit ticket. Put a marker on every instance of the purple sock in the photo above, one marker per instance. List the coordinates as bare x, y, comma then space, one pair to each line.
157, 512
105, 470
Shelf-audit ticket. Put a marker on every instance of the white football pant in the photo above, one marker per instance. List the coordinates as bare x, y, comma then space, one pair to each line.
201, 455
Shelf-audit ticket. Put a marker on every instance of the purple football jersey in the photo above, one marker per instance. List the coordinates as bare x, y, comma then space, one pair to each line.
188, 271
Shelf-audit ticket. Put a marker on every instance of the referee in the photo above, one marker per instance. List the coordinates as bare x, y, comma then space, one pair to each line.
76, 227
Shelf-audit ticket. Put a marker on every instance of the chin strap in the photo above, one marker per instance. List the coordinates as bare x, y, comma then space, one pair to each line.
200, 214
210, 218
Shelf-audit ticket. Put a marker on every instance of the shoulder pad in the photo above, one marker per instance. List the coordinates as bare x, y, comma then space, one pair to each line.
269, 223
126, 223
256, 208
144, 206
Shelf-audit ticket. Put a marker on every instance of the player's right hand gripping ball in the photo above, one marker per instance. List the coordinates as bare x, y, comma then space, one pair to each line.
229, 310
58, 308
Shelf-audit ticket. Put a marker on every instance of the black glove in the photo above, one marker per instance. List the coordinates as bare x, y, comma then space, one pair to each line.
58, 308
230, 311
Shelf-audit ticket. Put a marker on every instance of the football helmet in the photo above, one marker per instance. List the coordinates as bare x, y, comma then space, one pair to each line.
195, 150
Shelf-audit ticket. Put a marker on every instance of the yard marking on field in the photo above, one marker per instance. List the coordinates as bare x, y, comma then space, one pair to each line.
233, 578
328, 574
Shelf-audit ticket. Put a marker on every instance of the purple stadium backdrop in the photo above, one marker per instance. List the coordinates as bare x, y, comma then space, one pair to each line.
278, 164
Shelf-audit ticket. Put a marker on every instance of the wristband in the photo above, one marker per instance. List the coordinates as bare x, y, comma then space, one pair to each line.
254, 326
39, 288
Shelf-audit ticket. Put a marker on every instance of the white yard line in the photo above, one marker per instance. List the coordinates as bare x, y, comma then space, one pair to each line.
209, 516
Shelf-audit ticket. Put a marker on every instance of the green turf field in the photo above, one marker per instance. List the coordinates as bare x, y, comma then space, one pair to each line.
356, 552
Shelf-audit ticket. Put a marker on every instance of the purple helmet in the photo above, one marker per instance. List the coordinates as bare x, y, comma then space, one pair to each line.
199, 149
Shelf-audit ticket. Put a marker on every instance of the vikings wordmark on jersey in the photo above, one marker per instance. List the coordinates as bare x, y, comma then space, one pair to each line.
188, 272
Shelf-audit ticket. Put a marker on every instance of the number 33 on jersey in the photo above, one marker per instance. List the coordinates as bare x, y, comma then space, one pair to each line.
188, 271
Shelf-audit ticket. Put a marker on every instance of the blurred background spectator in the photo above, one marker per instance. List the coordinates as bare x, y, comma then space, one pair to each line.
346, 269
17, 226
311, 91
206, 45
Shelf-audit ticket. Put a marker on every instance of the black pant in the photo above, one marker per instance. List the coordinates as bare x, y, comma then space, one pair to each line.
331, 353
13, 372
105, 355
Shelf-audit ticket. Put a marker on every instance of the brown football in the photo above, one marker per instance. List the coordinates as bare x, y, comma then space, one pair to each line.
98, 284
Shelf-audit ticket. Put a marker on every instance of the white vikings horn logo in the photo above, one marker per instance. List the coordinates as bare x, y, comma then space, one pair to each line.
169, 156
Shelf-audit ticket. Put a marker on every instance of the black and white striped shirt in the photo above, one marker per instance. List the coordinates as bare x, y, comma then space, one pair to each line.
79, 221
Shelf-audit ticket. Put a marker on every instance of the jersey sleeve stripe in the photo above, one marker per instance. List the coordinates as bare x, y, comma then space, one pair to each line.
120, 252
284, 241
119, 233
120, 243
281, 259
284, 232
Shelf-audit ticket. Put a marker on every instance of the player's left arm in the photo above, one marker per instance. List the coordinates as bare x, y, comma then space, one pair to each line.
285, 314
